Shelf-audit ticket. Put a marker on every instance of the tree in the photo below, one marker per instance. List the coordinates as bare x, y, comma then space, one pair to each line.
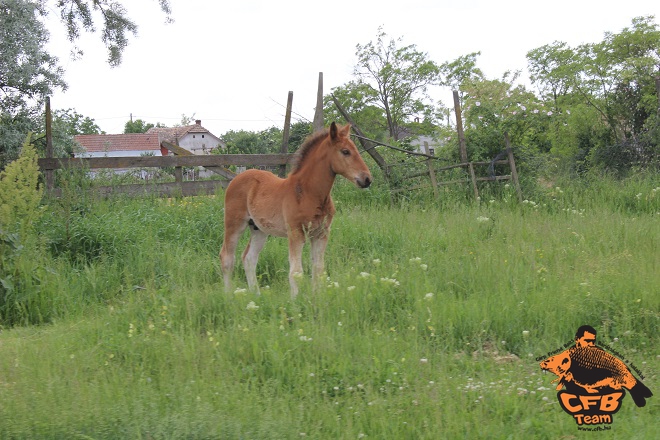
67, 124
493, 107
358, 99
137, 126
13, 130
78, 15
186, 120
617, 79
27, 72
251, 142
396, 80
298, 132
72, 123
461, 71
553, 69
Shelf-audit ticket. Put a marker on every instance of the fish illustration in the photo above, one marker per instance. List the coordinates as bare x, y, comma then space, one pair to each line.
593, 369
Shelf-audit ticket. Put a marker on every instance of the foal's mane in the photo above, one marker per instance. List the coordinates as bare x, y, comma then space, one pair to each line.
308, 145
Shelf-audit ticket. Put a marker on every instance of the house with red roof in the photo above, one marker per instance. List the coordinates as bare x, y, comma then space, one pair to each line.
193, 138
119, 145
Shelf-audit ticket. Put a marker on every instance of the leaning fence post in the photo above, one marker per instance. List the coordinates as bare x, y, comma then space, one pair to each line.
431, 171
512, 165
285, 134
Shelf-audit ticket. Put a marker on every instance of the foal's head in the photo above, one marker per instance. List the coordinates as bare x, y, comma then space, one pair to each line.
345, 158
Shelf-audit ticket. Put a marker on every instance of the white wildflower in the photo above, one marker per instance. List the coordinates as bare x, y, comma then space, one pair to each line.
390, 281
252, 306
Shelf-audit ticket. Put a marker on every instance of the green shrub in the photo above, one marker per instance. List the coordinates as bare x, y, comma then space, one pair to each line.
20, 193
20, 198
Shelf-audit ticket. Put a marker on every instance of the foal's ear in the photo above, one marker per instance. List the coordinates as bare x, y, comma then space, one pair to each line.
333, 131
336, 132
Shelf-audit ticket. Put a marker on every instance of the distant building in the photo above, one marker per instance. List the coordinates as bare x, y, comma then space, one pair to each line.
193, 138
119, 145
418, 144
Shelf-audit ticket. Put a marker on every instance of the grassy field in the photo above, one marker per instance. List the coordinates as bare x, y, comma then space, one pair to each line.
430, 325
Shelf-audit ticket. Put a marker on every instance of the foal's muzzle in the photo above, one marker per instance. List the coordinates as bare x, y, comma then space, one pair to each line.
363, 181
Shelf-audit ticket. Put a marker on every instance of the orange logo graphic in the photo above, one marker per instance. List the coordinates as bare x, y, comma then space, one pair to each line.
594, 380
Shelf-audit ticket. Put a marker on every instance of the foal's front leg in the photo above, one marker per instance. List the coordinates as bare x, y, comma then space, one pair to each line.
318, 266
296, 244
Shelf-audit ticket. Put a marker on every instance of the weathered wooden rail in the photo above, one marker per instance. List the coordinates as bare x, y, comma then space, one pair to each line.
178, 187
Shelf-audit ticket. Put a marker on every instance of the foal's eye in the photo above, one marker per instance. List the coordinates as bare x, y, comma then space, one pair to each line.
346, 152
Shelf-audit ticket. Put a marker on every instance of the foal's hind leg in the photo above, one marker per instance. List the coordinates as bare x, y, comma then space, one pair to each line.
251, 256
233, 230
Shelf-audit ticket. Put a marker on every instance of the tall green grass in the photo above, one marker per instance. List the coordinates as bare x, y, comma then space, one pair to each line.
428, 326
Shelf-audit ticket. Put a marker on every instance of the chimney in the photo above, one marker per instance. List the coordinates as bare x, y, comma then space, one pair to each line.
198, 122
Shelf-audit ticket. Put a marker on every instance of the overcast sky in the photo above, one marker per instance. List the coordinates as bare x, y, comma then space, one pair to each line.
232, 63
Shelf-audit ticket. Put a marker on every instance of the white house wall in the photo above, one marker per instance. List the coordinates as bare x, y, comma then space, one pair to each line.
199, 143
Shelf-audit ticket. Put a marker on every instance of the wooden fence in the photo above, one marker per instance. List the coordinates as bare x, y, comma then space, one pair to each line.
369, 145
219, 163
178, 187
472, 176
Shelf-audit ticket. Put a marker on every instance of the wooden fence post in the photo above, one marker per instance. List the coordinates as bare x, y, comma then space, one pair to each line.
178, 175
285, 133
431, 172
512, 165
459, 128
473, 177
318, 114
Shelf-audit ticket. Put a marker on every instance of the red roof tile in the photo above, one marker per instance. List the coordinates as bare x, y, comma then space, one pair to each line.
100, 143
